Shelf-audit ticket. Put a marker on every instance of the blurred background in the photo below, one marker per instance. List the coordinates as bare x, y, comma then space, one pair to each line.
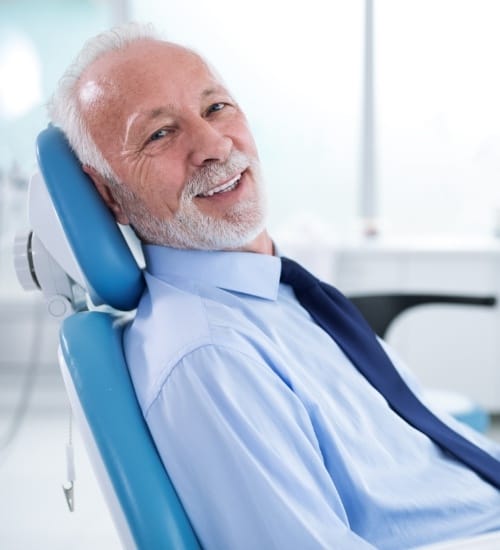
379, 132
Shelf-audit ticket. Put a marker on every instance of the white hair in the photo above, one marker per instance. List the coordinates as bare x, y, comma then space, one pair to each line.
63, 107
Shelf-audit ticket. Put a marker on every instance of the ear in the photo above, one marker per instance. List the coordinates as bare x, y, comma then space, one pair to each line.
105, 190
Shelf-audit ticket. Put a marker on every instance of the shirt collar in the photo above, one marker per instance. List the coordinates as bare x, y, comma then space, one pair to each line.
246, 272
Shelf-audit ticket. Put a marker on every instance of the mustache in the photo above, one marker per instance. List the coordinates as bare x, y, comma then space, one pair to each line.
214, 173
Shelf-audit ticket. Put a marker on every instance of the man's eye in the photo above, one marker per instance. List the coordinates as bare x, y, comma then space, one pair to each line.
159, 134
216, 107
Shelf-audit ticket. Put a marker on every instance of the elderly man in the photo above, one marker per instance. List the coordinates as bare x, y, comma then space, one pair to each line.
272, 429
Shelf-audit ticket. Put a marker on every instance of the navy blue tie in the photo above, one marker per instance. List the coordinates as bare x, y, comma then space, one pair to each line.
342, 321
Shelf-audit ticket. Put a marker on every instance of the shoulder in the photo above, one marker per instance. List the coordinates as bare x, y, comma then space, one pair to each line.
222, 385
176, 328
169, 323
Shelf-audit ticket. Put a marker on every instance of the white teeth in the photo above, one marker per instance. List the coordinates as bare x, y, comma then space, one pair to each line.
228, 186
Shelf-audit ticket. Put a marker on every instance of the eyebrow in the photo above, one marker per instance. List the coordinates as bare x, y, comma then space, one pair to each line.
157, 112
213, 90
150, 115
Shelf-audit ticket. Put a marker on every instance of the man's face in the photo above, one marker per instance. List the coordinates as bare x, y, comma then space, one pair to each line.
181, 149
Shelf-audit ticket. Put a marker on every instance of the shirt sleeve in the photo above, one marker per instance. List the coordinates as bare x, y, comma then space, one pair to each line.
244, 458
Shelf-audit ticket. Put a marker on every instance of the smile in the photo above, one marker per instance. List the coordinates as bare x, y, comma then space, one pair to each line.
223, 188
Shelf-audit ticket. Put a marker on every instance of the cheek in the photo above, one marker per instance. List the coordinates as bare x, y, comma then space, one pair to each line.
244, 140
159, 188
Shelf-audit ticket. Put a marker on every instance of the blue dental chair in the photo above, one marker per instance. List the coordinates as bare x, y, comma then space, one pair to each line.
145, 508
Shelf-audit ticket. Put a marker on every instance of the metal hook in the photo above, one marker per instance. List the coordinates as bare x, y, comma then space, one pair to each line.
68, 493
68, 487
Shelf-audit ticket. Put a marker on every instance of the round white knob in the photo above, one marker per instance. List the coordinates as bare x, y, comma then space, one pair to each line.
58, 306
23, 261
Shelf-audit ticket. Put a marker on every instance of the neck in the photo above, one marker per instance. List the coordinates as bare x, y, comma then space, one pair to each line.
262, 244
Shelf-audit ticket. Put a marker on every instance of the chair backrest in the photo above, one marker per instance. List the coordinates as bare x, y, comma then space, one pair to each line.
142, 500
111, 272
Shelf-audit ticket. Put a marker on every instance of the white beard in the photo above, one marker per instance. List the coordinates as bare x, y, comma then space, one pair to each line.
189, 227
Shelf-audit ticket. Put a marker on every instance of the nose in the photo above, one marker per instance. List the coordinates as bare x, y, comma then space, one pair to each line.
208, 143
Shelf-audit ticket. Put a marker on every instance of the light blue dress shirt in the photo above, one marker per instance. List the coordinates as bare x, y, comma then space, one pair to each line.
272, 439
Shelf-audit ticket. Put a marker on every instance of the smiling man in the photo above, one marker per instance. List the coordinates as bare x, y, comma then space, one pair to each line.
183, 166
271, 434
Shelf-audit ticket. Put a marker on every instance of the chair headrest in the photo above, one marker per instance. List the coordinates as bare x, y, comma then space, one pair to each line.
104, 257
